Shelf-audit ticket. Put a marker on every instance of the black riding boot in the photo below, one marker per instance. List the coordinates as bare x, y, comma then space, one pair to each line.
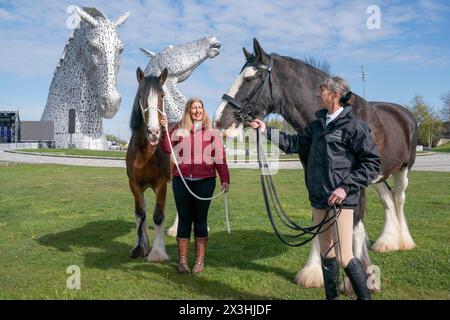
330, 270
358, 279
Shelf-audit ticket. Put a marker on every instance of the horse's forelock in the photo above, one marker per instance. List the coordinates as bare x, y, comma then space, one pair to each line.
145, 88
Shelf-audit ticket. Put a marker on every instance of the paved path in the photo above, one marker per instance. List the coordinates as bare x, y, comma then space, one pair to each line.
433, 162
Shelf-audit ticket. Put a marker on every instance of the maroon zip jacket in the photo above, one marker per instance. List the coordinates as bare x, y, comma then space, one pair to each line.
201, 154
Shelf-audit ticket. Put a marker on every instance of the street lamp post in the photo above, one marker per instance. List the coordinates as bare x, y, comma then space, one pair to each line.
363, 79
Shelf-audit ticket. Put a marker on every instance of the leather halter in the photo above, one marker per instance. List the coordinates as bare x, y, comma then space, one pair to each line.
241, 106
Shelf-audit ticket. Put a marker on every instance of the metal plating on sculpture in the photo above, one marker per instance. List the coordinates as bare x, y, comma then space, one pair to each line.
85, 80
180, 62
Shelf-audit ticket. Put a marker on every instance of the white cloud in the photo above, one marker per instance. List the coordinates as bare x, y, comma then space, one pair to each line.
328, 29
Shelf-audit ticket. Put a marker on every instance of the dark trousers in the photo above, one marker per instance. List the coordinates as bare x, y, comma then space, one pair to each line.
190, 209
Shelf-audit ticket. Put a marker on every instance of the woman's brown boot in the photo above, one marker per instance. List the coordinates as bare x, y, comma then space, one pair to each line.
200, 250
183, 251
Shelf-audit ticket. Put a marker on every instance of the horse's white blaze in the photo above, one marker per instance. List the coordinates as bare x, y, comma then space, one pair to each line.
158, 252
401, 183
153, 118
234, 88
311, 275
390, 237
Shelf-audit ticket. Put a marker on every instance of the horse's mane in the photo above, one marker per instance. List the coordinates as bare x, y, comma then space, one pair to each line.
318, 64
136, 121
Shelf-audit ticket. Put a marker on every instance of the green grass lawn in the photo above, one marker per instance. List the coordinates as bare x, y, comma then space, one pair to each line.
55, 216
79, 152
443, 148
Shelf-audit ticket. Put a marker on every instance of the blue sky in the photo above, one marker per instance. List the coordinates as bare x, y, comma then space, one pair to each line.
408, 55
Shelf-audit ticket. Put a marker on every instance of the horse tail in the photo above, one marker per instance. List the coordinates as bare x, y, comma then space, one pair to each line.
358, 215
414, 137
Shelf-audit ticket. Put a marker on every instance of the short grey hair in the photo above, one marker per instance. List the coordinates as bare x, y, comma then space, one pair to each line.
339, 85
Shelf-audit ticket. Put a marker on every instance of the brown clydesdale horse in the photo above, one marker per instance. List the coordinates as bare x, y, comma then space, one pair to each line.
147, 165
286, 86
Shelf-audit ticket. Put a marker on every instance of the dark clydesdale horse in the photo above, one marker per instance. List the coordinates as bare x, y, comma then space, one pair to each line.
277, 84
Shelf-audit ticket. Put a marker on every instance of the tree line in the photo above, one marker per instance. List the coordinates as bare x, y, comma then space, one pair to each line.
433, 125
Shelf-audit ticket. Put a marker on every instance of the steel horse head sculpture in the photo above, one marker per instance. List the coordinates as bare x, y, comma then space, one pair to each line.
85, 80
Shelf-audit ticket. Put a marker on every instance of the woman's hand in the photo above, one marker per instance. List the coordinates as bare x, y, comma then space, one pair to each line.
256, 123
163, 121
225, 186
337, 196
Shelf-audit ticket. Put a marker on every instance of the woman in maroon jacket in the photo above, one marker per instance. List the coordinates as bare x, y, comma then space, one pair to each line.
200, 154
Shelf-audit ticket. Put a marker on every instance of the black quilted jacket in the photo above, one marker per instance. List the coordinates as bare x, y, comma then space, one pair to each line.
342, 154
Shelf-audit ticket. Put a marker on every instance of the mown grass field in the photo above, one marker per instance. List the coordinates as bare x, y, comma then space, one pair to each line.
79, 152
55, 216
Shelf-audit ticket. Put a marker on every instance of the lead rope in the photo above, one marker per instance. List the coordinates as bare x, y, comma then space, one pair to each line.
271, 197
184, 181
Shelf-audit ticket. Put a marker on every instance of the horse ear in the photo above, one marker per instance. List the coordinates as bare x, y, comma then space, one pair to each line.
259, 51
163, 76
139, 74
246, 53
122, 19
148, 53
86, 17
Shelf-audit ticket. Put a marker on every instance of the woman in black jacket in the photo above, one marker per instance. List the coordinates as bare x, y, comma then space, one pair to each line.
342, 159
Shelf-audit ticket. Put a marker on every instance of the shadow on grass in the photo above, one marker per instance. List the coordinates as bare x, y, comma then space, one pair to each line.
242, 250
97, 236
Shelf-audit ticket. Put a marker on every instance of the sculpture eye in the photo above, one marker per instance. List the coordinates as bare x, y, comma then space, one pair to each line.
120, 47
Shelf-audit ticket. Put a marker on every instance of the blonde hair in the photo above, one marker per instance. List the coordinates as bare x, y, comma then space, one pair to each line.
339, 85
186, 122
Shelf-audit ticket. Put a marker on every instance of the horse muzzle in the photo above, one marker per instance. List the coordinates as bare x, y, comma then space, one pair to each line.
153, 136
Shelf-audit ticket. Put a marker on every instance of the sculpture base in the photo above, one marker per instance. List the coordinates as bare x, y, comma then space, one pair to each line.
80, 141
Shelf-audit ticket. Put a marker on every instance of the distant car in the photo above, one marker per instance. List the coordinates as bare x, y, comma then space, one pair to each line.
114, 146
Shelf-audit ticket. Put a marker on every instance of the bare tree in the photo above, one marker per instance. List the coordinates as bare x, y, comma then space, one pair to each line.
445, 112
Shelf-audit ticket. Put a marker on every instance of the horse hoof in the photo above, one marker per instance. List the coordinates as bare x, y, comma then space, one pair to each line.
406, 242
310, 277
139, 252
386, 244
157, 256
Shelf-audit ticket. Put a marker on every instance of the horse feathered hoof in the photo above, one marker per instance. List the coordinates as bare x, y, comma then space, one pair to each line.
139, 252
310, 276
